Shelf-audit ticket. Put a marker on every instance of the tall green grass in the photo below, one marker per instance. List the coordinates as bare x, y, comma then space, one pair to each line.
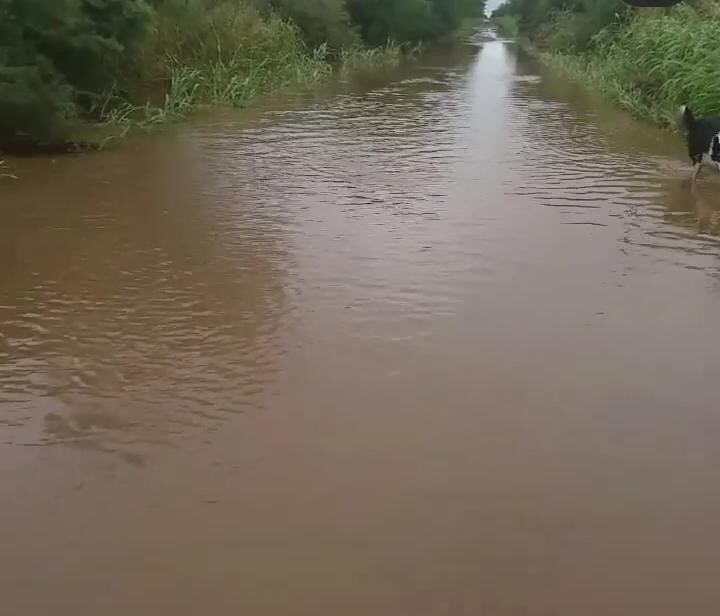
649, 64
375, 58
661, 61
226, 54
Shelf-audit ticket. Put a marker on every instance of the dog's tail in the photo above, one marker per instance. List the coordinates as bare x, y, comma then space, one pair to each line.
685, 119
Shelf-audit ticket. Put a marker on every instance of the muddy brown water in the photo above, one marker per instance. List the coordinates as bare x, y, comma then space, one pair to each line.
442, 343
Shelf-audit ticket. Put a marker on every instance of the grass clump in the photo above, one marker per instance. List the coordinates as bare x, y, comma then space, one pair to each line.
229, 54
661, 61
374, 58
199, 55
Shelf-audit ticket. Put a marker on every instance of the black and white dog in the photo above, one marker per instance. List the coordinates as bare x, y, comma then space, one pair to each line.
703, 140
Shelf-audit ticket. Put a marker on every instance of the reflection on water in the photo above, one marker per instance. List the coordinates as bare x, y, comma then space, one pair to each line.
130, 310
694, 208
439, 344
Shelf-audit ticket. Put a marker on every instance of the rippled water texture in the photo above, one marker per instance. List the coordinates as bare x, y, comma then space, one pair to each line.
441, 343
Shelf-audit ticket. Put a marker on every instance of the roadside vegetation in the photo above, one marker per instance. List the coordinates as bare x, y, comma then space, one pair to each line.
68, 66
649, 61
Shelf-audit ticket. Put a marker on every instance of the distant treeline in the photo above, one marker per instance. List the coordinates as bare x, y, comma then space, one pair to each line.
561, 23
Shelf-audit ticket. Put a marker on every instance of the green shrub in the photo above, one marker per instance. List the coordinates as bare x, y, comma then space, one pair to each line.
398, 20
663, 60
322, 22
373, 58
56, 56
507, 24
564, 24
449, 15
225, 52
411, 20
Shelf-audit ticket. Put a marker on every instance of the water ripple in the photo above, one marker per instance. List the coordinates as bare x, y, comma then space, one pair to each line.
156, 291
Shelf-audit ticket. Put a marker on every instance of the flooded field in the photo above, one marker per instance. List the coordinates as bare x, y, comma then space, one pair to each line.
438, 344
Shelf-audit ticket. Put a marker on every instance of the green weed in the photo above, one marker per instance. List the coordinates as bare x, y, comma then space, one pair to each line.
377, 58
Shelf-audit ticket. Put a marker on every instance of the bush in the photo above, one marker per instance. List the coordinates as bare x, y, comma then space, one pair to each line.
449, 15
564, 24
398, 20
411, 20
507, 24
322, 22
56, 56
223, 53
369, 59
664, 60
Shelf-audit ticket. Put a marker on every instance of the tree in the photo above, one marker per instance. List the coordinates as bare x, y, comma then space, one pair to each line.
57, 57
411, 20
321, 21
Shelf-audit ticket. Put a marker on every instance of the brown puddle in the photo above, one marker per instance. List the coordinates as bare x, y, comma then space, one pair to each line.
445, 344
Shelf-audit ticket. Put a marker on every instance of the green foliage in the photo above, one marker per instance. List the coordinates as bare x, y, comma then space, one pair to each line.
566, 24
373, 58
54, 58
449, 15
648, 61
399, 20
63, 62
195, 34
661, 61
411, 20
263, 55
507, 24
226, 53
322, 22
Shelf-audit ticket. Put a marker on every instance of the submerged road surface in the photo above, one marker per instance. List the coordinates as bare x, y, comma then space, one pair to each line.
445, 343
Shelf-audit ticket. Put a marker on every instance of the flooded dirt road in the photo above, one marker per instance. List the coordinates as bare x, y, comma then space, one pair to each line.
441, 344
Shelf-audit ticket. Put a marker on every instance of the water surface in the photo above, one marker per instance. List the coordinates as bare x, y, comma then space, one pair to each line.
440, 343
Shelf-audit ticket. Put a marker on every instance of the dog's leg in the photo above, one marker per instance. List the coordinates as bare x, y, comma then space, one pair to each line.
694, 190
696, 172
